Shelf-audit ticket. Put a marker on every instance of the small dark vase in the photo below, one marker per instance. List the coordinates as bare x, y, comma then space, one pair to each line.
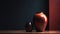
28, 27
40, 21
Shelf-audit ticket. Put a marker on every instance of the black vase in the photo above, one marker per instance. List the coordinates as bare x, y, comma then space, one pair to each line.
28, 27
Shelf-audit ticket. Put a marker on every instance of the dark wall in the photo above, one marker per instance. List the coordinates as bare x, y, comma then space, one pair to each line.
15, 13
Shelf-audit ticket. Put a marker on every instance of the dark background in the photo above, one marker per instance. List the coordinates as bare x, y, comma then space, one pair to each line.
15, 13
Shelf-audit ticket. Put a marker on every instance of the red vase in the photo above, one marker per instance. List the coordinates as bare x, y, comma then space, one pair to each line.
40, 21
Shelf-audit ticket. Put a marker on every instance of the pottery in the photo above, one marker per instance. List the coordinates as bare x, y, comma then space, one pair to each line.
28, 27
40, 21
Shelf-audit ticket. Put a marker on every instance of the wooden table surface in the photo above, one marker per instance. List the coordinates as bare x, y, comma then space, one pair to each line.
24, 32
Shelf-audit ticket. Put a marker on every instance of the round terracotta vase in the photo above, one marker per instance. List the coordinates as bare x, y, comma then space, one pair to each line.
40, 21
